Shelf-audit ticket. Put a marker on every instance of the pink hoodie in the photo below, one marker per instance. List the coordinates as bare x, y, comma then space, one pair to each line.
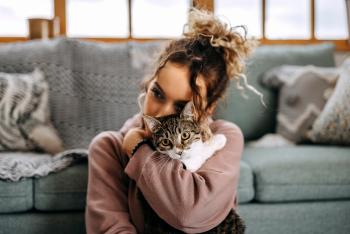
190, 202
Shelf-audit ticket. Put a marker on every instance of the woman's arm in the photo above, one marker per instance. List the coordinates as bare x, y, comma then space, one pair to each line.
191, 202
107, 202
107, 208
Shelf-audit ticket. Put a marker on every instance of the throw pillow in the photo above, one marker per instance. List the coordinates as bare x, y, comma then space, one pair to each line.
303, 92
333, 125
25, 123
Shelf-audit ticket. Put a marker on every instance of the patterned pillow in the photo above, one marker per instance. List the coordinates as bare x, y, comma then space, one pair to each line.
25, 123
333, 125
303, 92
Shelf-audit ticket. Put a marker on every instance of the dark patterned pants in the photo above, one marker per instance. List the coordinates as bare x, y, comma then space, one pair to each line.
233, 223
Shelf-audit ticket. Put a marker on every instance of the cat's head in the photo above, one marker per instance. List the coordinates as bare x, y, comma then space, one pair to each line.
173, 134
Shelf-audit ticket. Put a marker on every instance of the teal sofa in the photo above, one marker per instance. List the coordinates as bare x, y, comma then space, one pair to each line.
302, 189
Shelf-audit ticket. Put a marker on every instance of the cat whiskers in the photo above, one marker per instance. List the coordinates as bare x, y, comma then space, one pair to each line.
162, 160
167, 159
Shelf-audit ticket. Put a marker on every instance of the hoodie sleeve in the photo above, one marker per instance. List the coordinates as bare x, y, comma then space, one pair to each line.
107, 208
191, 201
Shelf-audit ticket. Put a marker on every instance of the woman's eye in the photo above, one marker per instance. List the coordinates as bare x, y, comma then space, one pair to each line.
185, 135
156, 93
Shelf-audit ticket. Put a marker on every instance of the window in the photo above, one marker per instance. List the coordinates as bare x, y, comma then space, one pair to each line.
14, 14
273, 21
288, 19
241, 12
97, 18
158, 18
330, 19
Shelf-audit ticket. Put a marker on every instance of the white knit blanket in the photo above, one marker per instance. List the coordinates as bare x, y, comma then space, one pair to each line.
17, 165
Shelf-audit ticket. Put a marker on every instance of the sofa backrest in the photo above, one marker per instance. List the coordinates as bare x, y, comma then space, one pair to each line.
94, 86
249, 114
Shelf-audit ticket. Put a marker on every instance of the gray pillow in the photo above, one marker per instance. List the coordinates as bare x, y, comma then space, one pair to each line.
303, 92
25, 123
333, 125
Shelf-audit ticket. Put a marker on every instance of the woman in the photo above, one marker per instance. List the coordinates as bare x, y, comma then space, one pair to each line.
197, 67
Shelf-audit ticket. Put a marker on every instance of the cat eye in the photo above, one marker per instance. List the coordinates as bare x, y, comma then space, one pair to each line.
185, 135
165, 142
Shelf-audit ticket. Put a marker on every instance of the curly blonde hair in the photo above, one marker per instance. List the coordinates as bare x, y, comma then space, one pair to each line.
213, 49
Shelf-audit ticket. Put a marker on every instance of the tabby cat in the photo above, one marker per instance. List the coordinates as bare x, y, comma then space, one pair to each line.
180, 137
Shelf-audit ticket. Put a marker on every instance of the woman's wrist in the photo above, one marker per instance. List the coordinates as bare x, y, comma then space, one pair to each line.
132, 137
139, 144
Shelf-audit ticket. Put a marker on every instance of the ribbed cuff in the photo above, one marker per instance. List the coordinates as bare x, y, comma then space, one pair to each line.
138, 145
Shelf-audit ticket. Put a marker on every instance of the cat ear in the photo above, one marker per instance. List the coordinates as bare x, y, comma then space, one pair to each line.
151, 122
187, 111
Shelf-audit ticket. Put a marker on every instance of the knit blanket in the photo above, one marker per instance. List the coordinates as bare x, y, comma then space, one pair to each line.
17, 165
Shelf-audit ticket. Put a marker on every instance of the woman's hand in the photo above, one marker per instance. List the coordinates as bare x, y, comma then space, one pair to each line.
132, 137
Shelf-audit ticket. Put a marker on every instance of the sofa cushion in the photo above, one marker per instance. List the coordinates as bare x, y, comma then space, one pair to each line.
240, 111
16, 196
316, 217
297, 106
64, 190
246, 183
25, 121
305, 172
333, 124
43, 223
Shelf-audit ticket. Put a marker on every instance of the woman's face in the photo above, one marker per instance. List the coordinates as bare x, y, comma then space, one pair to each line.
170, 90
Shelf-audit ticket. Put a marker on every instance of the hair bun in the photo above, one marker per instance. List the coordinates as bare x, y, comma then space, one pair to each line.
204, 24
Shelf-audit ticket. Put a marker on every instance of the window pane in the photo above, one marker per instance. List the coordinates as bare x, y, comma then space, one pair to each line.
159, 18
13, 15
330, 22
97, 18
288, 19
238, 12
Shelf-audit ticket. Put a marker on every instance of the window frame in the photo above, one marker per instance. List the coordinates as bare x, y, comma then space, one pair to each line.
60, 11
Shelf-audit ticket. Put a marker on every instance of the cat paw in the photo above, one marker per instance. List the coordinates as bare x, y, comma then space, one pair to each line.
219, 141
191, 165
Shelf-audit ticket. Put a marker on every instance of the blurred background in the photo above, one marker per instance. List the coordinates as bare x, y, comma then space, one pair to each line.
293, 185
272, 21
